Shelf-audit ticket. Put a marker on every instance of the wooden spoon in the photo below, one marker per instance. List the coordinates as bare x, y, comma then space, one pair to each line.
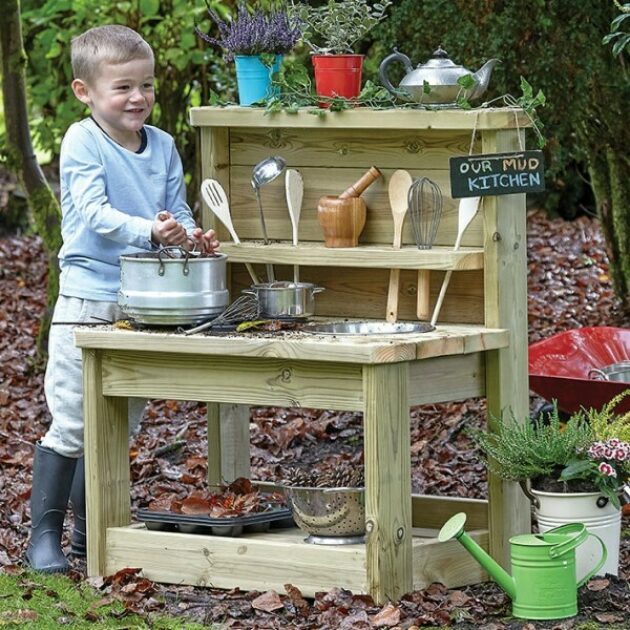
398, 190
294, 188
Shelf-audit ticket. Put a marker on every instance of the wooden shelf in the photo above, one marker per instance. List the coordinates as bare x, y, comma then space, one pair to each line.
365, 256
362, 118
259, 561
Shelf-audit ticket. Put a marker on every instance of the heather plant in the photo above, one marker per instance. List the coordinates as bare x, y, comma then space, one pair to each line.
339, 24
532, 450
254, 33
590, 452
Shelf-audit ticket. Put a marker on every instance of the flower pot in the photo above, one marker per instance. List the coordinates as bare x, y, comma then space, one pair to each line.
337, 75
598, 515
253, 78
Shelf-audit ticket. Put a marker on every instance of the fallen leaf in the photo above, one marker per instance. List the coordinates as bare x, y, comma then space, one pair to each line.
388, 616
268, 602
598, 585
604, 617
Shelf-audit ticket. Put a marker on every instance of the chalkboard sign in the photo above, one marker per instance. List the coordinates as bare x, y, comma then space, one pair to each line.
497, 174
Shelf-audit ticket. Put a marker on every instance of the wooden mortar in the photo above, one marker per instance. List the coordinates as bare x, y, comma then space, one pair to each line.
343, 218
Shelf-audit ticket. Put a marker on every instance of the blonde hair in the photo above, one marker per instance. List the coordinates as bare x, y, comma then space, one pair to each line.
113, 44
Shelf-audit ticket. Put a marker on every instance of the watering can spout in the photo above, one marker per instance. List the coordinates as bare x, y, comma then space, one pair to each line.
454, 528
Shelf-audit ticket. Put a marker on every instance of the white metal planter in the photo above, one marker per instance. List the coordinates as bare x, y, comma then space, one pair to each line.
598, 515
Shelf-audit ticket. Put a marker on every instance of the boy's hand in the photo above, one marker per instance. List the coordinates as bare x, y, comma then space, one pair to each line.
167, 231
205, 241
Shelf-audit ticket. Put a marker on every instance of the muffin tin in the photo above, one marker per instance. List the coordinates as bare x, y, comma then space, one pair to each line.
275, 518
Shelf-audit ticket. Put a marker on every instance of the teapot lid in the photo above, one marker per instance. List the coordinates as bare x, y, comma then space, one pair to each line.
440, 59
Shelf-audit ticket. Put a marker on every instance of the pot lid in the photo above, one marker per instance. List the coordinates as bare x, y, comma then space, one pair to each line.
439, 60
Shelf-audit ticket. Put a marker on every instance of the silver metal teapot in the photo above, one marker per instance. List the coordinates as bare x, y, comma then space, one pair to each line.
435, 82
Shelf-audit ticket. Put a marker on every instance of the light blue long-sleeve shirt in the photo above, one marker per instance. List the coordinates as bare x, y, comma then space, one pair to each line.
109, 199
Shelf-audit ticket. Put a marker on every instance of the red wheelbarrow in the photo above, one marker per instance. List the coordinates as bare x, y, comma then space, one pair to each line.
584, 367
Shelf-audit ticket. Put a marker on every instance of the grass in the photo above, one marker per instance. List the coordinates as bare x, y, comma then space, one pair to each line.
47, 602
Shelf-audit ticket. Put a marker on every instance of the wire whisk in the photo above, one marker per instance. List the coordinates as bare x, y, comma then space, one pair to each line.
425, 209
244, 308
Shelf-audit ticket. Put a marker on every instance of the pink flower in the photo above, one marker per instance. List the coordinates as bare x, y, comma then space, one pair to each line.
607, 469
596, 451
612, 443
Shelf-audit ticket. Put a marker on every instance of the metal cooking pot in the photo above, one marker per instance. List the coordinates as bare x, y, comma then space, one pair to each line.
285, 300
618, 372
172, 287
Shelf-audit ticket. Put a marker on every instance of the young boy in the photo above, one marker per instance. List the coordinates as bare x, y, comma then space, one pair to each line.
122, 191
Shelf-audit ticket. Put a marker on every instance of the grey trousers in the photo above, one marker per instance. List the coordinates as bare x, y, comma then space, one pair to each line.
63, 384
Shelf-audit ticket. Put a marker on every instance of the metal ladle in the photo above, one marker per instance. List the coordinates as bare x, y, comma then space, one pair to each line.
265, 172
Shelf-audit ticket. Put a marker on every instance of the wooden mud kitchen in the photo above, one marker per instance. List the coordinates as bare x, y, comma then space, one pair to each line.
478, 348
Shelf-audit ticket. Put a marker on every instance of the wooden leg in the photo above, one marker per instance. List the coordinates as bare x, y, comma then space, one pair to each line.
387, 481
106, 440
228, 443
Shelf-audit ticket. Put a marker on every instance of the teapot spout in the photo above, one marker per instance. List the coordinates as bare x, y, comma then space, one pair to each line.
454, 528
482, 78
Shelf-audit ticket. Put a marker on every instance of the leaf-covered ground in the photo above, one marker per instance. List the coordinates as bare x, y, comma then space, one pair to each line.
569, 287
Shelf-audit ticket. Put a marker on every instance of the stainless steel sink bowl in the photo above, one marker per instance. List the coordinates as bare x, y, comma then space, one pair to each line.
368, 328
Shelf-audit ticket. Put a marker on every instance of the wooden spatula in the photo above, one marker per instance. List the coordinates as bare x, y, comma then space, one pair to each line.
468, 207
398, 189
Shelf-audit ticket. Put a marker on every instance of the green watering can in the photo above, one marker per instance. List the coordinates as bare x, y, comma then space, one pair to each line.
544, 585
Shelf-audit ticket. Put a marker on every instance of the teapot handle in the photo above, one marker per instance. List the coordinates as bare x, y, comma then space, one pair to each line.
382, 70
600, 564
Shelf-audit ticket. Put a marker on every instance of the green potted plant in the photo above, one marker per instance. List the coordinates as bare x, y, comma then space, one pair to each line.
572, 472
256, 41
338, 25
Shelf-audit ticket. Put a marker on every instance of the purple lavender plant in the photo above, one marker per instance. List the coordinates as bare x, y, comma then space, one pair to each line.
254, 33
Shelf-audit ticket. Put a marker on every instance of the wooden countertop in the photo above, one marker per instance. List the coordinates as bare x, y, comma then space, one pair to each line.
444, 340
363, 118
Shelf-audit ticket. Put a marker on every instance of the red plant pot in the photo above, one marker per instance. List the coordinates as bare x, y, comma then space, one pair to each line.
337, 75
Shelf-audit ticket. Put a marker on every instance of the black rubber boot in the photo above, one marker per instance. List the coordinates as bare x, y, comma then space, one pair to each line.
52, 478
77, 501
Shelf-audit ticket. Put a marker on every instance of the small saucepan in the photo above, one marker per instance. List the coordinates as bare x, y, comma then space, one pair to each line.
285, 300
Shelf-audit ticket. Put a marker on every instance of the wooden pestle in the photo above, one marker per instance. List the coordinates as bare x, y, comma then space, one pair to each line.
357, 189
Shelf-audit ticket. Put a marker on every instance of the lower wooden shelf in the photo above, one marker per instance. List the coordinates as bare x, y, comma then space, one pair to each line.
270, 560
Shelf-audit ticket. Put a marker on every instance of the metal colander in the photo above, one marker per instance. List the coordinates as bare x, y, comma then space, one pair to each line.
328, 512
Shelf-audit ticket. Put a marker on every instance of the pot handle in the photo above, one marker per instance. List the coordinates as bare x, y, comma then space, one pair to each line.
600, 564
250, 292
597, 375
315, 290
533, 499
382, 71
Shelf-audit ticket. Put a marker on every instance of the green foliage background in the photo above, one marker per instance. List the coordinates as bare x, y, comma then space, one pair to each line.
186, 68
555, 44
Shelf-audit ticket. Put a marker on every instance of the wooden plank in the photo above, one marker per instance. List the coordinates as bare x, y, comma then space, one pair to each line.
334, 148
228, 443
362, 293
106, 462
362, 118
443, 379
370, 256
448, 563
445, 340
260, 381
387, 481
430, 511
506, 369
323, 181
254, 561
